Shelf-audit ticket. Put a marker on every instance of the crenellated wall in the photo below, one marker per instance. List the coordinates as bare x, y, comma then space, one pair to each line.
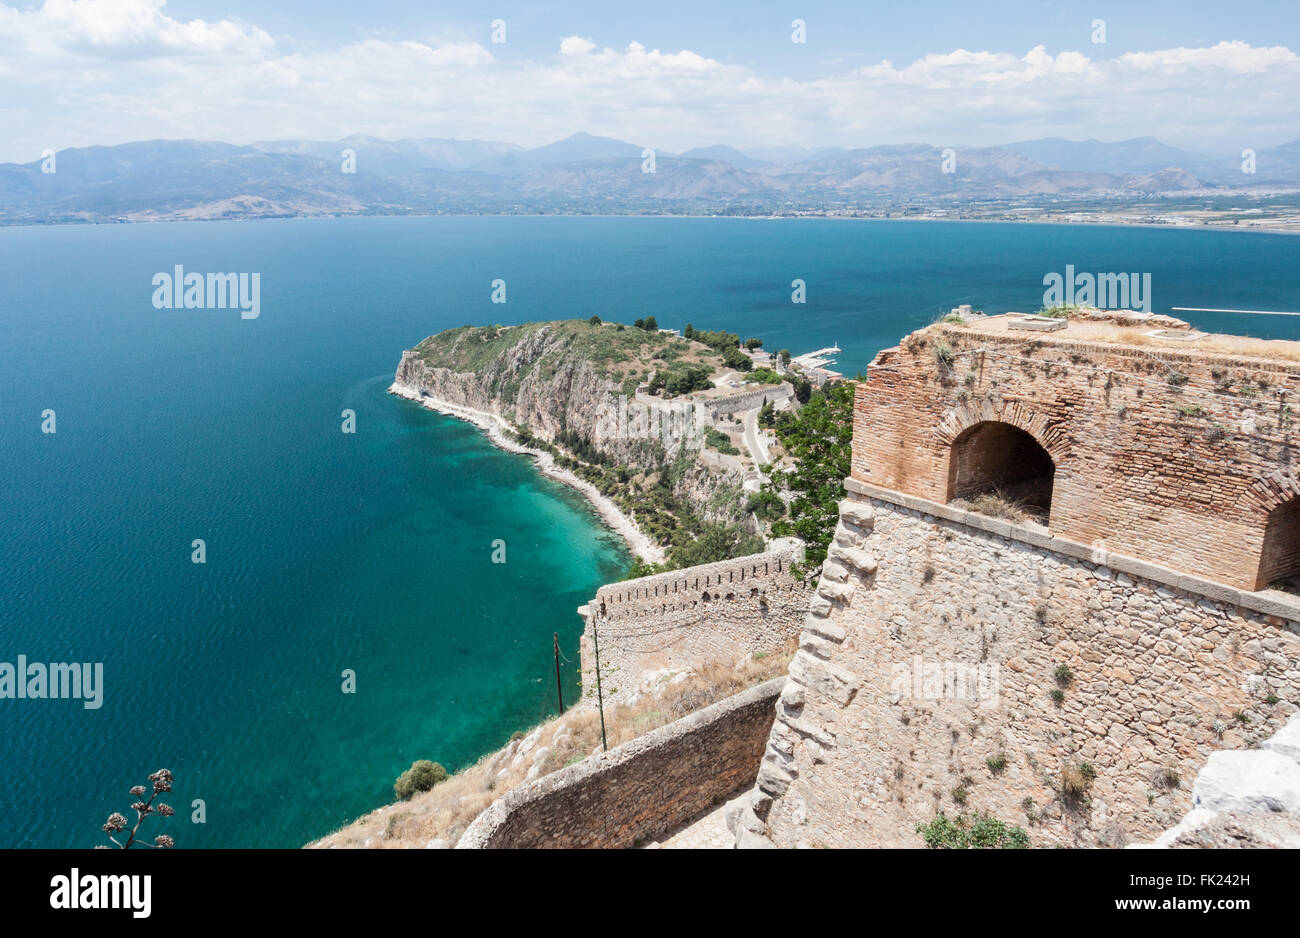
716, 612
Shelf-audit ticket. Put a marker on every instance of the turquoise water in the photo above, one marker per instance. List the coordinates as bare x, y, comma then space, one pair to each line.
372, 551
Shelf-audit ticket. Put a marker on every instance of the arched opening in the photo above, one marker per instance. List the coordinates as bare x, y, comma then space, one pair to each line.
998, 469
1279, 561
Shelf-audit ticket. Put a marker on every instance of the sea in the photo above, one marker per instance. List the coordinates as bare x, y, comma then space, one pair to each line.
349, 615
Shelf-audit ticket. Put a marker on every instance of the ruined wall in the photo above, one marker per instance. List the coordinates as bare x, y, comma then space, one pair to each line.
640, 790
926, 672
1169, 454
716, 612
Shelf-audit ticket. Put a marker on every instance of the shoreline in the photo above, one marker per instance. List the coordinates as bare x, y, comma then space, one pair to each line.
497, 430
1258, 229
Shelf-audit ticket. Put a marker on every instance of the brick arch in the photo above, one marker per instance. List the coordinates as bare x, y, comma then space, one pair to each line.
1276, 498
959, 419
1273, 490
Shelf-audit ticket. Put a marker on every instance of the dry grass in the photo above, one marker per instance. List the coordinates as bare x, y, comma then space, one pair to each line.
445, 812
998, 504
1236, 345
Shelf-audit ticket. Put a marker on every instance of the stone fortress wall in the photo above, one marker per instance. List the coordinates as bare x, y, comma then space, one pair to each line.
1071, 677
640, 790
749, 399
716, 612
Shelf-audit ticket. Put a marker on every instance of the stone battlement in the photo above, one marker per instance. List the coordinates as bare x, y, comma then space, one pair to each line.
685, 589
683, 619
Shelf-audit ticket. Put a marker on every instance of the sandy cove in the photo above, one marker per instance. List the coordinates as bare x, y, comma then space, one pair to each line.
499, 433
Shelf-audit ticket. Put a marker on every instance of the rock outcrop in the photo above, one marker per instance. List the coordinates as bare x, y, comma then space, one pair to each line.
1245, 798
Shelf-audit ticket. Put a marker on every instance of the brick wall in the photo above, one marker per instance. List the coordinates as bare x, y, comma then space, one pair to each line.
1170, 454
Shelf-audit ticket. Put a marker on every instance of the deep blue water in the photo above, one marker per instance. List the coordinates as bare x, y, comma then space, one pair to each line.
372, 551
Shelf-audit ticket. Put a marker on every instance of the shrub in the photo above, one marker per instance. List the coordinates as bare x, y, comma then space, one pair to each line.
1076, 780
1165, 778
996, 763
720, 441
421, 776
763, 376
972, 831
943, 353
1063, 675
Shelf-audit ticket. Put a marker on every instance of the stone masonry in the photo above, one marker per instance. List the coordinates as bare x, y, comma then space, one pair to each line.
712, 613
925, 677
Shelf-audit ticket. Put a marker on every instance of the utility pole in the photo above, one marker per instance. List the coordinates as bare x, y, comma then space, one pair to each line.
600, 698
559, 690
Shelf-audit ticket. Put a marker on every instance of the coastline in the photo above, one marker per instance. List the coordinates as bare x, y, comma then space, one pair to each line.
1258, 229
497, 432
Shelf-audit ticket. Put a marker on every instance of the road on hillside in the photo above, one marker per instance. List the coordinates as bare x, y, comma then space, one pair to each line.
753, 442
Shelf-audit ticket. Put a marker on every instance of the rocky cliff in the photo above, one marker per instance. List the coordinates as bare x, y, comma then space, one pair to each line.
573, 383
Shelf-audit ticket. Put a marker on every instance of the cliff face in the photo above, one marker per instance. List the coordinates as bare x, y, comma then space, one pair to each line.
565, 395
570, 382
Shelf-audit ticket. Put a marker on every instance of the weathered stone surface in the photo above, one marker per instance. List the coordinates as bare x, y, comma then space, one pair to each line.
640, 790
1155, 682
859, 560
857, 513
831, 590
1286, 741
718, 612
1248, 781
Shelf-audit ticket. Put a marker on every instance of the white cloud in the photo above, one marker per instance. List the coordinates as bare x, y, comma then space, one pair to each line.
112, 27
79, 72
575, 45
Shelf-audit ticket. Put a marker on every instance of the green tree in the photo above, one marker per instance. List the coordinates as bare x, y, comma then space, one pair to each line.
594, 320
819, 438
651, 324
421, 776
784, 355
735, 358
752, 344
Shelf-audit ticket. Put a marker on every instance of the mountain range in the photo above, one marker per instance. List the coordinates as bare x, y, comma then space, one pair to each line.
180, 179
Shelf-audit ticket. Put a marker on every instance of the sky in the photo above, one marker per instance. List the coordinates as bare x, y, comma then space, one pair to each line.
1209, 76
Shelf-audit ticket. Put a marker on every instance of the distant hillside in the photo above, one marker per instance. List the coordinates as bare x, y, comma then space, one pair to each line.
187, 179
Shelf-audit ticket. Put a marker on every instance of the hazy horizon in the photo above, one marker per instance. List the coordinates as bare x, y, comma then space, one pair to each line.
80, 73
